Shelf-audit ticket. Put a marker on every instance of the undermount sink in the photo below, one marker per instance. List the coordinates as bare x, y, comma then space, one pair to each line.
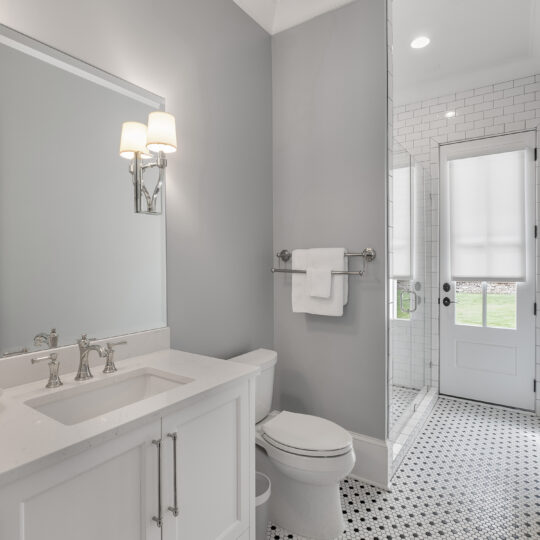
75, 405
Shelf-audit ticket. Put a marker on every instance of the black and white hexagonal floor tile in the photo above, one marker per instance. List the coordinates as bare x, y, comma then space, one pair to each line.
402, 399
473, 473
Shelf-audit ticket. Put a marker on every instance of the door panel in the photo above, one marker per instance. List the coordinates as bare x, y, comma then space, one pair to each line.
496, 359
487, 329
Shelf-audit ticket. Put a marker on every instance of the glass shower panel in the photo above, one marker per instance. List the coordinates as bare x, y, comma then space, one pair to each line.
409, 305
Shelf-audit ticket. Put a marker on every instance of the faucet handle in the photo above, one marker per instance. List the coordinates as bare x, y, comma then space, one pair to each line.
54, 366
109, 354
53, 339
85, 338
53, 357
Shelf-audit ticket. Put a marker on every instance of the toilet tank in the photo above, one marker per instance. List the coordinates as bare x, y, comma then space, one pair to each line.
264, 383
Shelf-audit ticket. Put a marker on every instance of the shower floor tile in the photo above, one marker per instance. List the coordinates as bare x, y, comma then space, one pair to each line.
473, 473
401, 400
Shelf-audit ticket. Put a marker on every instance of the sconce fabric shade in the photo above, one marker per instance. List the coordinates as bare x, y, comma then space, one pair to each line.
161, 136
133, 139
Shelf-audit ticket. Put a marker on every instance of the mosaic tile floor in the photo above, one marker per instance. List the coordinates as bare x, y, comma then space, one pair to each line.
401, 400
473, 473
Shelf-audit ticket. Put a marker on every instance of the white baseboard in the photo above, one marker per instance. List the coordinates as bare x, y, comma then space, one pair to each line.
373, 460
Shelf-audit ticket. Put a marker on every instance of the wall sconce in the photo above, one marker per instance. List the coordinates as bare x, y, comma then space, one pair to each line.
140, 143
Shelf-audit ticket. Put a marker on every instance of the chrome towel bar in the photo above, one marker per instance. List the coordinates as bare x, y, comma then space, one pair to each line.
334, 272
368, 254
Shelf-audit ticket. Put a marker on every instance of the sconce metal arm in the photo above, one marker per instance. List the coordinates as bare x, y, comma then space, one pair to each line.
161, 163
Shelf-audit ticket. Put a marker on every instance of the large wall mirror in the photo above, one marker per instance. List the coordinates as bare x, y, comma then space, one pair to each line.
73, 254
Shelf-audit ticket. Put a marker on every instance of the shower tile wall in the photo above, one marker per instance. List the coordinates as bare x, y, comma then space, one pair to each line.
420, 127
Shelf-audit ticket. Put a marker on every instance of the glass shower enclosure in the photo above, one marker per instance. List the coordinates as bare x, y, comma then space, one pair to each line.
409, 305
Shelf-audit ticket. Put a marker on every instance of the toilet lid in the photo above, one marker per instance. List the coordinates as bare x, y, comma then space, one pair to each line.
305, 432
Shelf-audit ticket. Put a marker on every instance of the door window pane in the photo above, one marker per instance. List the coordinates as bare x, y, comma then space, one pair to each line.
469, 303
487, 216
501, 305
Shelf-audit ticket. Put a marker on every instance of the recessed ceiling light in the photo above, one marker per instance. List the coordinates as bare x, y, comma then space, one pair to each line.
450, 114
420, 42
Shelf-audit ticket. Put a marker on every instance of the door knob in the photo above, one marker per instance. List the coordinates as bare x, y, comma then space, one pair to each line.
446, 301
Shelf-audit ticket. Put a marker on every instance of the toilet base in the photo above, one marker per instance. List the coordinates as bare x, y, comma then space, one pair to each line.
309, 510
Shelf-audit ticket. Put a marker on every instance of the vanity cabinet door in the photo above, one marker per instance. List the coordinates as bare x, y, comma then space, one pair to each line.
108, 492
215, 464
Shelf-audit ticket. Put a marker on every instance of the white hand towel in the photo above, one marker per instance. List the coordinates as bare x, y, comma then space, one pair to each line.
302, 301
319, 282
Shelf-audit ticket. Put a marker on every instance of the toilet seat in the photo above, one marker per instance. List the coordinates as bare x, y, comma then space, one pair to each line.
306, 435
305, 453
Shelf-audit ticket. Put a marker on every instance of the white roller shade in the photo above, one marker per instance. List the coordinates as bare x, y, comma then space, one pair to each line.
487, 217
401, 261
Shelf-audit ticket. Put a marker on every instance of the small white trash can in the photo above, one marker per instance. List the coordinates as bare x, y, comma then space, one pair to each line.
262, 494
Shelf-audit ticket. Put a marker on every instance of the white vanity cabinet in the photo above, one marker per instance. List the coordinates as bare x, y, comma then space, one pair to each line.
110, 491
105, 493
214, 456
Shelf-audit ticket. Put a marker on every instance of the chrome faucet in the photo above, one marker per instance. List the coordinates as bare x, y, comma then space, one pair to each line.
109, 354
85, 347
51, 340
54, 366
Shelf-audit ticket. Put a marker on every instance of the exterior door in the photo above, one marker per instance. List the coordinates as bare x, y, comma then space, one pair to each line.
487, 270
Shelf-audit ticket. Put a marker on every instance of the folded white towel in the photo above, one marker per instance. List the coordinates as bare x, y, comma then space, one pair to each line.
331, 258
319, 282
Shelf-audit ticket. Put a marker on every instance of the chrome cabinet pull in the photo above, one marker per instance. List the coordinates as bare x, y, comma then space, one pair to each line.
159, 518
174, 509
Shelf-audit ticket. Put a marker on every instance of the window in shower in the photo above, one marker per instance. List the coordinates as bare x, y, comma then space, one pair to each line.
403, 302
402, 235
402, 224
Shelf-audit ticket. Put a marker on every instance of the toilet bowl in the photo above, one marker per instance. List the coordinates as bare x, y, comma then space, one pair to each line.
305, 457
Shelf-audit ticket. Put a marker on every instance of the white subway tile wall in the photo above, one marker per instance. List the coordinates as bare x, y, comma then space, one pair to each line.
503, 107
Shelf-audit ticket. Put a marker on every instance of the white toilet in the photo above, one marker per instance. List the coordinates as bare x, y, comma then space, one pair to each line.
304, 456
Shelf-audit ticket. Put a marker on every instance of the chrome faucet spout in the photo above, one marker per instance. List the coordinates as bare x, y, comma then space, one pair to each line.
85, 347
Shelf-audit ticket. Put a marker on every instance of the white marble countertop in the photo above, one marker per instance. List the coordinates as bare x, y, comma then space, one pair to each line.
30, 440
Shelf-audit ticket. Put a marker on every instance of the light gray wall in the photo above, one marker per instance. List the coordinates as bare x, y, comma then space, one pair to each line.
330, 100
212, 63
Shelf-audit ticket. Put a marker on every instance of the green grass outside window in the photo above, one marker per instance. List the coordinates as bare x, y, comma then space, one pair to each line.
501, 310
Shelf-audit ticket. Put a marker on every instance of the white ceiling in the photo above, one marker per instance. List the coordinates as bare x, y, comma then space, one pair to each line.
473, 43
278, 15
